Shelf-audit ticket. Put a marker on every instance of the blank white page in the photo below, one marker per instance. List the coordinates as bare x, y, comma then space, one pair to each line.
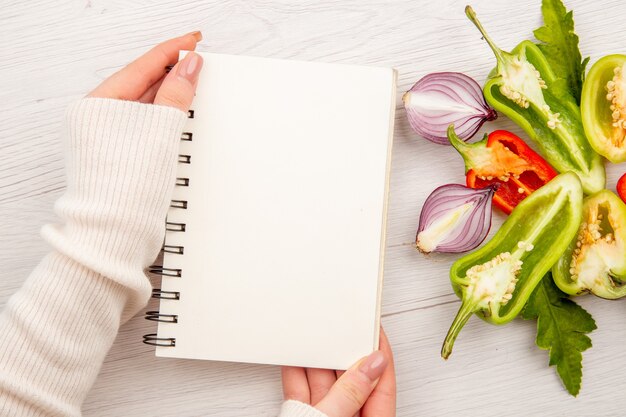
285, 224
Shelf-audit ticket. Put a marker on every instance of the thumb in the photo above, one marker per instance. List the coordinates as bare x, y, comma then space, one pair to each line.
349, 393
179, 86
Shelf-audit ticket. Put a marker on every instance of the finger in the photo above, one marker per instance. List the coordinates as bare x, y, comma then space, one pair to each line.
350, 392
132, 81
179, 85
320, 381
382, 402
338, 373
148, 96
295, 385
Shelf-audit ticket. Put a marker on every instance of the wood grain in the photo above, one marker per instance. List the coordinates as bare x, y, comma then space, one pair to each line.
55, 52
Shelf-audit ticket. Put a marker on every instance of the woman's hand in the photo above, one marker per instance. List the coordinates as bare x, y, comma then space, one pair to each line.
145, 79
368, 386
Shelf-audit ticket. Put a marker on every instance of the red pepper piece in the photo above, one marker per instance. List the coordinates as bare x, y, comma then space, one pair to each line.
505, 159
621, 188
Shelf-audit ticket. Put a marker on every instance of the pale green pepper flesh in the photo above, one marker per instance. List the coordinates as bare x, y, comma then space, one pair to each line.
603, 107
595, 260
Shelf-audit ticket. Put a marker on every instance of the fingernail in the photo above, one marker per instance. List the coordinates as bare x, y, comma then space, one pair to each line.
190, 66
374, 365
197, 34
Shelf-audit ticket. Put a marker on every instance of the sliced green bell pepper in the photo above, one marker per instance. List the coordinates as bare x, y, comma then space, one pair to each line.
595, 260
603, 107
496, 280
524, 88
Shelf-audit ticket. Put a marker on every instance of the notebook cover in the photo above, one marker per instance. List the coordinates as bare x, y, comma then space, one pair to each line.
285, 220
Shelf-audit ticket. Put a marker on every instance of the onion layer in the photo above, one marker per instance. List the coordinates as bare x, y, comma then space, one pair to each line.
441, 99
455, 219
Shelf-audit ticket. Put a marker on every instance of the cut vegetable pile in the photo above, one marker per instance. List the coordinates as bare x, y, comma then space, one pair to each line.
565, 234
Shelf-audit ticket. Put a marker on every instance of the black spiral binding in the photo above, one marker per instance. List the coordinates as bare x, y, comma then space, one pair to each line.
165, 295
175, 227
167, 272
182, 204
165, 318
173, 249
152, 339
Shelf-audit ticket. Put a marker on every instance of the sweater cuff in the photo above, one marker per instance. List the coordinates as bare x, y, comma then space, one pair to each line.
293, 408
121, 164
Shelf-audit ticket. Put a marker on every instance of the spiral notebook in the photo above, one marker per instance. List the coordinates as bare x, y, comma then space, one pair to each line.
276, 232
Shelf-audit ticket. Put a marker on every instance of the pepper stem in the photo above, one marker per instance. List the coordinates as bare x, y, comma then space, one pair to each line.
474, 154
456, 141
462, 316
472, 17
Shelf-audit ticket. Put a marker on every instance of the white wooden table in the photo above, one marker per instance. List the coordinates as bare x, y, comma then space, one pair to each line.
55, 52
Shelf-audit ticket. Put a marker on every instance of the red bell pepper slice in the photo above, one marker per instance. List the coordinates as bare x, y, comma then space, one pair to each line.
621, 188
505, 159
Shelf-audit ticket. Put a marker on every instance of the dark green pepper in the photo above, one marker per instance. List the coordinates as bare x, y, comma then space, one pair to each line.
595, 260
496, 280
524, 88
603, 107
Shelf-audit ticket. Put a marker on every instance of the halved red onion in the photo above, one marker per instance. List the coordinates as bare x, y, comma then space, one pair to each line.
442, 99
455, 219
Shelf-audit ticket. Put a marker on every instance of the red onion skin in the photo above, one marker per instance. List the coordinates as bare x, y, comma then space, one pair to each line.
454, 88
473, 230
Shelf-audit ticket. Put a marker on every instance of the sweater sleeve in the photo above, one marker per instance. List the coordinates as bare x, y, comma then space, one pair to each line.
57, 329
292, 408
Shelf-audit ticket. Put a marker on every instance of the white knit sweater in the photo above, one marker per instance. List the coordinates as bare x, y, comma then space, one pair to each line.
57, 329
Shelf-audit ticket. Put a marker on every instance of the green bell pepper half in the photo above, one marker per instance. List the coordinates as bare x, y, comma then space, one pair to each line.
496, 280
603, 107
525, 89
595, 260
